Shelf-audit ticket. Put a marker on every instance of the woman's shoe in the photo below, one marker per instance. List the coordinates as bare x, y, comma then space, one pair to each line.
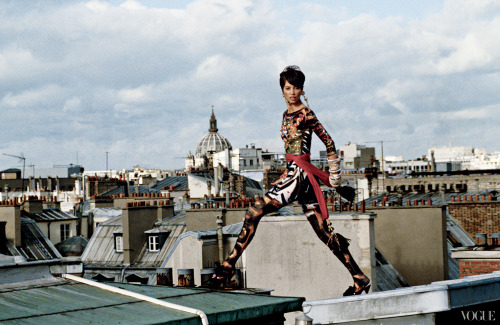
222, 273
362, 285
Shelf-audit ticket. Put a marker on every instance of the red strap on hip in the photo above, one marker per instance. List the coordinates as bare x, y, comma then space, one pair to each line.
303, 161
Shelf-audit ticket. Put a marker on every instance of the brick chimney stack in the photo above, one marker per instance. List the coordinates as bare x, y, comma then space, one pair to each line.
11, 215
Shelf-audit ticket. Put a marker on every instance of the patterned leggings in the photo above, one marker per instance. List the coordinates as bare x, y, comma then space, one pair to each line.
294, 187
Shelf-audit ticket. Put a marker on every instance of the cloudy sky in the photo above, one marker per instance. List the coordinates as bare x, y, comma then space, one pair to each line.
137, 79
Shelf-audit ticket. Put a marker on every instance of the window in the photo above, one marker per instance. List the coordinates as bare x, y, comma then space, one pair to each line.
65, 231
156, 239
119, 243
251, 162
154, 243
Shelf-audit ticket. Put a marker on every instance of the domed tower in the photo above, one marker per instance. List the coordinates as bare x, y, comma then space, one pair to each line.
208, 145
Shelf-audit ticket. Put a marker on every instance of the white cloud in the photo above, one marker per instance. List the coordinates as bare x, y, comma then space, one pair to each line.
490, 112
73, 104
104, 76
31, 99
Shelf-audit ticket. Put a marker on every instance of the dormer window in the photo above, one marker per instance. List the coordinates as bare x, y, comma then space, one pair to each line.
154, 243
118, 242
156, 239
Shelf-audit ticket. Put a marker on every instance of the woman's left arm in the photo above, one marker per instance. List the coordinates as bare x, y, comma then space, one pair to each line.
333, 158
322, 134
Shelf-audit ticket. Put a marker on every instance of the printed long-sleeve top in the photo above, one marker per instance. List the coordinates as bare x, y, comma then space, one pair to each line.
296, 132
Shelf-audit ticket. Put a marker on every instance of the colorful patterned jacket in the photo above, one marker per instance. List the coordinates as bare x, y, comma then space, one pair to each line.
296, 132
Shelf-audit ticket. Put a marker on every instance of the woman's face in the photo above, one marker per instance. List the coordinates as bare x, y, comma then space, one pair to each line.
292, 93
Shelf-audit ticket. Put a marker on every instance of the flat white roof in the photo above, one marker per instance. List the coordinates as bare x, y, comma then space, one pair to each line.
418, 300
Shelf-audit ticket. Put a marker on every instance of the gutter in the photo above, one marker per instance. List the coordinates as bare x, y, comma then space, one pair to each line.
203, 316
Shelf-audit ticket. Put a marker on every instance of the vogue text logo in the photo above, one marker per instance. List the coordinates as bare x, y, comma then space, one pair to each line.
479, 315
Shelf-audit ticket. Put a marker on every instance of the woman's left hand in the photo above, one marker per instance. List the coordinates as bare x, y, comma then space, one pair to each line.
334, 168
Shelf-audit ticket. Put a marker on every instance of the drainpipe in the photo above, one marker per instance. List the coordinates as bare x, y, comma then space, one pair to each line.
122, 274
203, 316
216, 181
220, 238
48, 230
227, 195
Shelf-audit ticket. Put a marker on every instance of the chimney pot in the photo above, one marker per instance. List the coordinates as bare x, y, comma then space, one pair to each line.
481, 239
495, 239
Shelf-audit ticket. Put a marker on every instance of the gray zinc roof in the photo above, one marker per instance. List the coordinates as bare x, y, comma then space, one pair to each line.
35, 246
252, 186
101, 257
54, 214
179, 182
50, 300
103, 212
436, 197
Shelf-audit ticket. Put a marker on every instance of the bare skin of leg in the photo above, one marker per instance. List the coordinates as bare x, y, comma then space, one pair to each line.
339, 246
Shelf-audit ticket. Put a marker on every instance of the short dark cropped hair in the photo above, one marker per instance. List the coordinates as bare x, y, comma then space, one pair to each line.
293, 75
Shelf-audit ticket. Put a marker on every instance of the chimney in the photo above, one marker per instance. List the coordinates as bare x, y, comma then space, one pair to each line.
49, 184
11, 215
136, 220
32, 183
165, 211
33, 206
495, 239
481, 239
209, 190
3, 238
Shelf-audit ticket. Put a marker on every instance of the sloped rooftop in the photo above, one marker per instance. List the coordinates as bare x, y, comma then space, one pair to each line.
179, 182
53, 214
49, 300
35, 246
436, 197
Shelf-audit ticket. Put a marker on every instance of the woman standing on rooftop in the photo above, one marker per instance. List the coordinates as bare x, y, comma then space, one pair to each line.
299, 183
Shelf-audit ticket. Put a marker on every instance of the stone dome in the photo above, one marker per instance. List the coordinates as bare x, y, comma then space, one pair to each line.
213, 141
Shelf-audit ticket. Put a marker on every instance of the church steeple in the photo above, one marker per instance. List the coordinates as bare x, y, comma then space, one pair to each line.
213, 122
